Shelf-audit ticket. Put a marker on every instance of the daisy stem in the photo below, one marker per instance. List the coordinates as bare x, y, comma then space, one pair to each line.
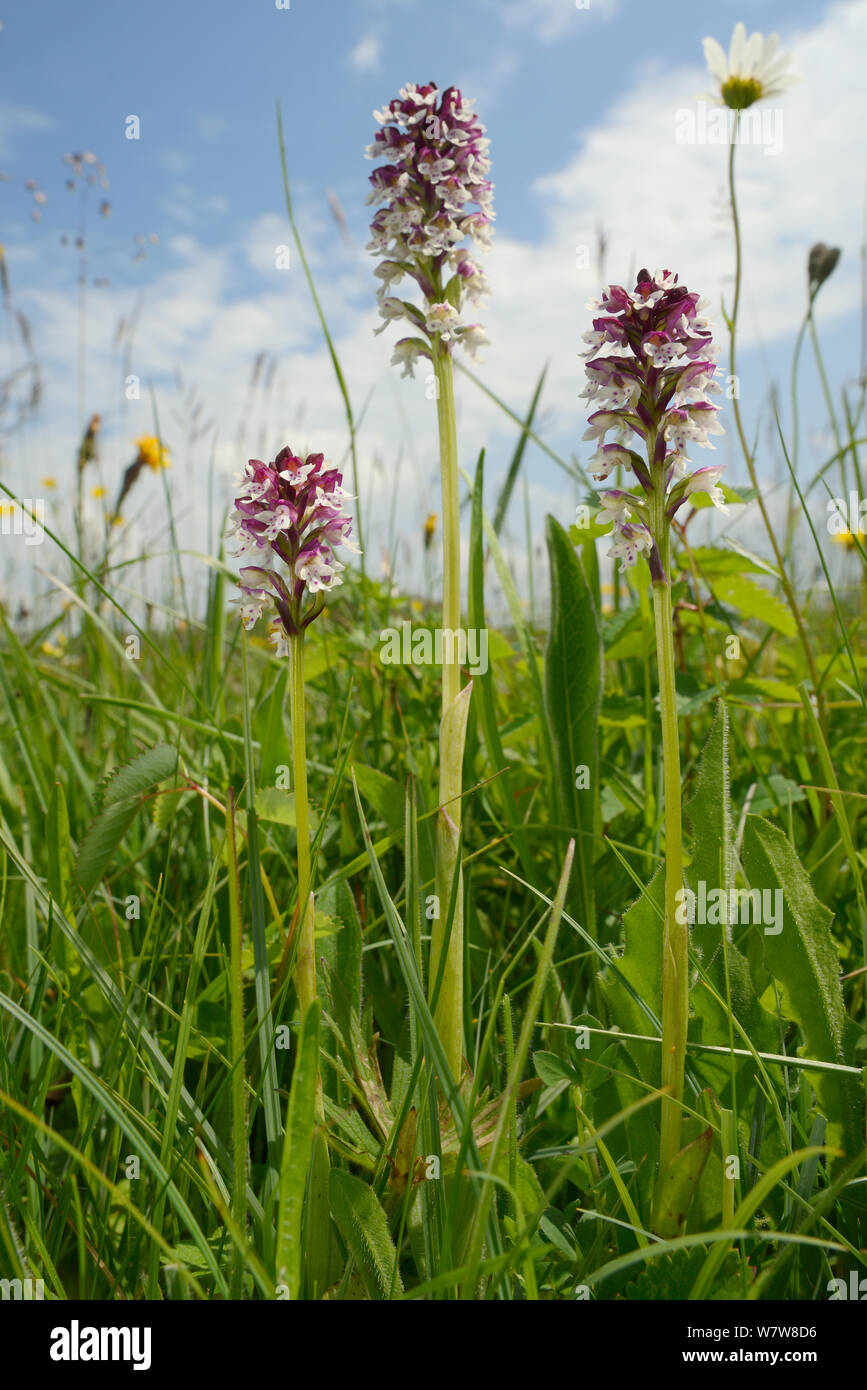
675, 943
829, 399
745, 448
449, 1011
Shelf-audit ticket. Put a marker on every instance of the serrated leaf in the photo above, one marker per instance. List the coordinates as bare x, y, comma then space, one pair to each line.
755, 561
140, 775
121, 798
364, 1227
752, 601
276, 804
670, 1277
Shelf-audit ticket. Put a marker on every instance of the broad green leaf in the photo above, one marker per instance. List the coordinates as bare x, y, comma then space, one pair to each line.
573, 687
485, 706
553, 1069
712, 863
753, 601
677, 1185
297, 1150
269, 730
364, 1227
803, 959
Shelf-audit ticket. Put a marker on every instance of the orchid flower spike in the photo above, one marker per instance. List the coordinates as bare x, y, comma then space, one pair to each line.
650, 374
434, 197
291, 509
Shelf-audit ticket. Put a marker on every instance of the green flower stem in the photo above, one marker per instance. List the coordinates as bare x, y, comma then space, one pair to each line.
305, 961
826, 391
449, 1012
745, 448
236, 1032
675, 945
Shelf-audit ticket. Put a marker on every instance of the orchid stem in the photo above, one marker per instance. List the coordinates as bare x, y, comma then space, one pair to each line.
449, 1011
305, 965
675, 945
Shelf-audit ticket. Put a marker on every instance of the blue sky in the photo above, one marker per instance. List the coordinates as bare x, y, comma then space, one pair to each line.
580, 106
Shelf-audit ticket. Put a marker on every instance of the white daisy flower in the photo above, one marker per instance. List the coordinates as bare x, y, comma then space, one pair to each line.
753, 70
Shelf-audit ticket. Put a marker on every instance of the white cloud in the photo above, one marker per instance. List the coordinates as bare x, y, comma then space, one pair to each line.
365, 56
550, 20
489, 78
660, 202
18, 120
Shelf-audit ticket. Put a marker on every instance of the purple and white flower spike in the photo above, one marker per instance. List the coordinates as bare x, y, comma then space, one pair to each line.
434, 194
292, 509
650, 374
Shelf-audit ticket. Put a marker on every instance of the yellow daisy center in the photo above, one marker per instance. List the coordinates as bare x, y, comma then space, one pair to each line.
741, 92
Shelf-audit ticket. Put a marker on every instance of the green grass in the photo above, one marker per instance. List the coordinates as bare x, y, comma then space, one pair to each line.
141, 1011
162, 1132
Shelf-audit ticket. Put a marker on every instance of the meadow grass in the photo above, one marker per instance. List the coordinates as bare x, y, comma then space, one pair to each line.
186, 1116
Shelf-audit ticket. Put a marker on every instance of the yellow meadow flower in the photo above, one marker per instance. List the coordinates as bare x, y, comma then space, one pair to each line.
154, 454
55, 648
845, 538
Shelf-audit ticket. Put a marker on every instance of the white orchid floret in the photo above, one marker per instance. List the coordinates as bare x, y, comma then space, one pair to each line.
601, 421
406, 353
472, 338
617, 506
320, 573
607, 458
280, 519
278, 637
679, 466
389, 272
390, 309
628, 541
251, 610
707, 480
442, 318
691, 424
